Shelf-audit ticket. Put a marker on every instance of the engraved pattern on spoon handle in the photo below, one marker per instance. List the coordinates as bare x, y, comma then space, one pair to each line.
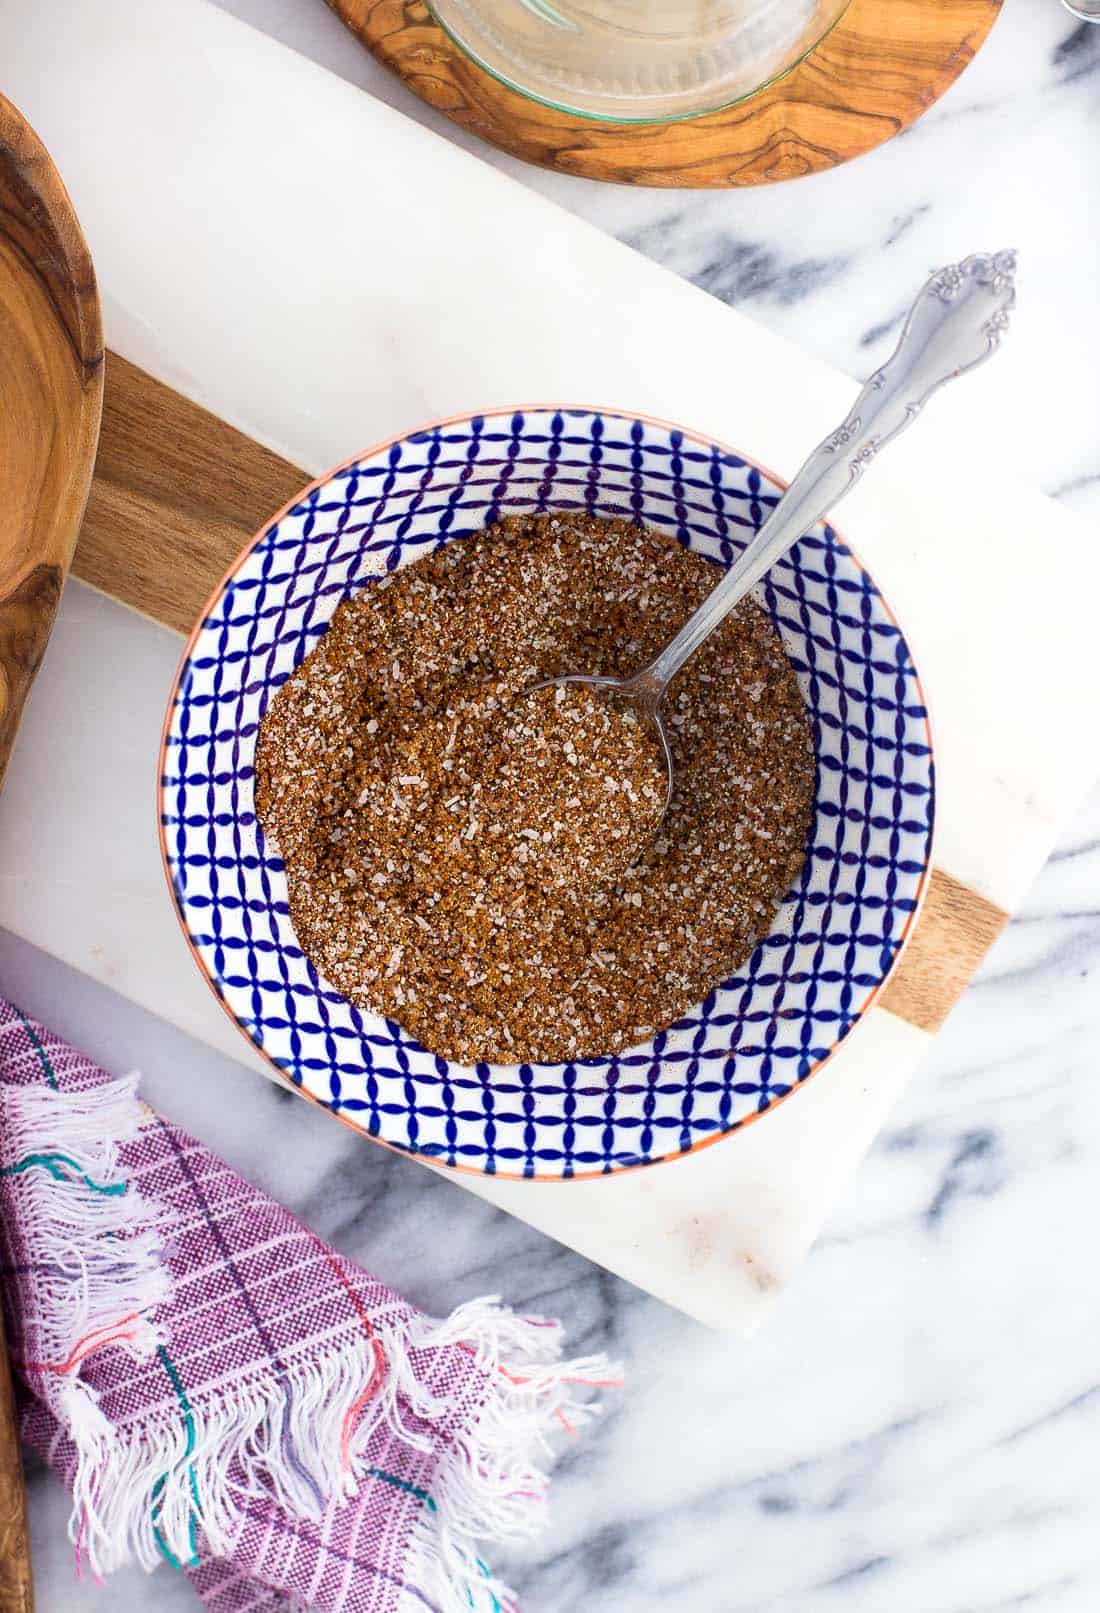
956, 322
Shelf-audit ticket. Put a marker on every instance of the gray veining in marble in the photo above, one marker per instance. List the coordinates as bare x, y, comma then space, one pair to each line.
918, 1428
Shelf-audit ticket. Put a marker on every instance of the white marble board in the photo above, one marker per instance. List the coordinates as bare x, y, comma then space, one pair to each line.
322, 272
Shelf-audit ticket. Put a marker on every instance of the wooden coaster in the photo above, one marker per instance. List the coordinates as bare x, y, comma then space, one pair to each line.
884, 63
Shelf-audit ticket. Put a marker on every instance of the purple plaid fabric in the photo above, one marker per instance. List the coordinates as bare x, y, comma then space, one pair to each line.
264, 1415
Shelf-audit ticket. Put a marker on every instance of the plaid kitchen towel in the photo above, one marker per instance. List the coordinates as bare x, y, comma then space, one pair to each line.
222, 1391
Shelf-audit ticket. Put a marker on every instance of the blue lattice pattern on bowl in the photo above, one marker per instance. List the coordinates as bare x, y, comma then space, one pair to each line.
759, 1034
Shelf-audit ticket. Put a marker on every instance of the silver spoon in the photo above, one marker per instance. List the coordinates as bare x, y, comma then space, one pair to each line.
956, 322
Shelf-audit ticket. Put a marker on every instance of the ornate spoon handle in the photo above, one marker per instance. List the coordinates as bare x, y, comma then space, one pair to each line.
956, 322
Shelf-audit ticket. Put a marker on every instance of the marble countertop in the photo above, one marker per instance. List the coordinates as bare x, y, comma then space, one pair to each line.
916, 1427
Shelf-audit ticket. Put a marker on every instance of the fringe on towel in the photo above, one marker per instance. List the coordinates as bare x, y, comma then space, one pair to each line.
100, 1275
492, 1484
134, 1497
488, 1486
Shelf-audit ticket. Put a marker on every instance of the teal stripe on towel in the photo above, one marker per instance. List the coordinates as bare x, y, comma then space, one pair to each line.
52, 1163
158, 1488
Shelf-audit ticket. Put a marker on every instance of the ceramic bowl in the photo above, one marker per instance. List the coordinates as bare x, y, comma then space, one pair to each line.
758, 1035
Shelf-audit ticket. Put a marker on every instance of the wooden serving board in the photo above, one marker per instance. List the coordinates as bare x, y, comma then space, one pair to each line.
177, 494
880, 68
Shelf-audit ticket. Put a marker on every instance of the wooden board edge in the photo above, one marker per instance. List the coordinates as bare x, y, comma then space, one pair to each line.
954, 931
178, 493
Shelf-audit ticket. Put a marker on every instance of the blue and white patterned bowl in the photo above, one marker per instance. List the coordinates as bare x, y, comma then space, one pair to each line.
760, 1033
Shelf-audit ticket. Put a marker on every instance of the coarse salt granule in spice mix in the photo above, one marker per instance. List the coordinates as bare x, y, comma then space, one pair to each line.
224, 1393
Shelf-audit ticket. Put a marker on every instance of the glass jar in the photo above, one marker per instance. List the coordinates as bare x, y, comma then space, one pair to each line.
637, 61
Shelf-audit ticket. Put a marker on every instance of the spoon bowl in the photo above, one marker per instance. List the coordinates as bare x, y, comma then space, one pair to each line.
642, 694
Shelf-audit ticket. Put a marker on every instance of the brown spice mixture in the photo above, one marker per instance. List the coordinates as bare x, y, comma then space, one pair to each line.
555, 790
451, 865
